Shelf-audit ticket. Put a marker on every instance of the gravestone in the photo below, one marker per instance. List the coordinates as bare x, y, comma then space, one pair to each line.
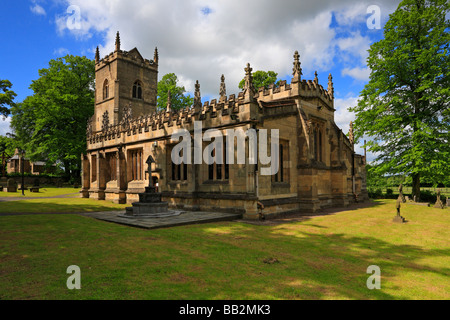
3, 182
398, 218
35, 187
448, 202
438, 203
11, 185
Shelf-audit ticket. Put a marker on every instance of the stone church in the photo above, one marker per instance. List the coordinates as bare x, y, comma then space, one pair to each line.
318, 167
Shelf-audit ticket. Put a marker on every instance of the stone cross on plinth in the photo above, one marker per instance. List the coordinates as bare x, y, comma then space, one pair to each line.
149, 161
400, 193
150, 204
398, 218
438, 203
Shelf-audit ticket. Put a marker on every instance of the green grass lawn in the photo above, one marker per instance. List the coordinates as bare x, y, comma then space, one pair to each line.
43, 192
70, 202
59, 205
325, 257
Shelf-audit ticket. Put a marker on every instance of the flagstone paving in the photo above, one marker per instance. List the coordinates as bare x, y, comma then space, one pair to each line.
185, 218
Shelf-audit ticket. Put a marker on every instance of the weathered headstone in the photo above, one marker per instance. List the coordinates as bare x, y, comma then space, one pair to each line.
448, 202
398, 218
35, 187
3, 182
438, 203
11, 185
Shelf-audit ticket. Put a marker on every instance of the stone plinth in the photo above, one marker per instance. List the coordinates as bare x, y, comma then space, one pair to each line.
398, 219
150, 206
439, 204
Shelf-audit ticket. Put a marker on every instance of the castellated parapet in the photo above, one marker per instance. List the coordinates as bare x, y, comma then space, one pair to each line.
213, 113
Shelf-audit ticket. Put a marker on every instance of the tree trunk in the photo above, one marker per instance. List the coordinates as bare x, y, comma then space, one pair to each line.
416, 186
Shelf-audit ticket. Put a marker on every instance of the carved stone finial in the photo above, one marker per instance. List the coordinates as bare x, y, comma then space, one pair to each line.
97, 55
248, 85
156, 56
351, 137
297, 70
117, 41
330, 86
89, 128
169, 101
223, 90
197, 97
126, 117
316, 78
105, 121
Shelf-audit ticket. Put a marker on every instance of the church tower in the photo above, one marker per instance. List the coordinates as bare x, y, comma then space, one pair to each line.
124, 80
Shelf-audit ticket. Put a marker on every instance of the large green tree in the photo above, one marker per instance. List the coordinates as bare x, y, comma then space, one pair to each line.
262, 79
405, 105
6, 97
169, 83
51, 123
7, 145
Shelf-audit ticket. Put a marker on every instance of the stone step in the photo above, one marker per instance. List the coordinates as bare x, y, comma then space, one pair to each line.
129, 210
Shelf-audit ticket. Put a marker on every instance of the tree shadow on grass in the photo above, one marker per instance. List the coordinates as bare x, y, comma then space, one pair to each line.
300, 216
323, 266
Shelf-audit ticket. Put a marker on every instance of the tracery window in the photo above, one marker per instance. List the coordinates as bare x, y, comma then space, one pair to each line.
137, 90
106, 89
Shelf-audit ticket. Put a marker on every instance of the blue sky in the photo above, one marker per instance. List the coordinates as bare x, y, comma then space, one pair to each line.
198, 39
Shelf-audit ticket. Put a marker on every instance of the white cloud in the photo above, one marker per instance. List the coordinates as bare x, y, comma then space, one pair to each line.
5, 126
352, 14
61, 52
357, 73
355, 46
199, 46
343, 117
353, 53
38, 10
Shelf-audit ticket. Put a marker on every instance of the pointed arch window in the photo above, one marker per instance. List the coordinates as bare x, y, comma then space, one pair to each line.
318, 144
137, 90
106, 89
